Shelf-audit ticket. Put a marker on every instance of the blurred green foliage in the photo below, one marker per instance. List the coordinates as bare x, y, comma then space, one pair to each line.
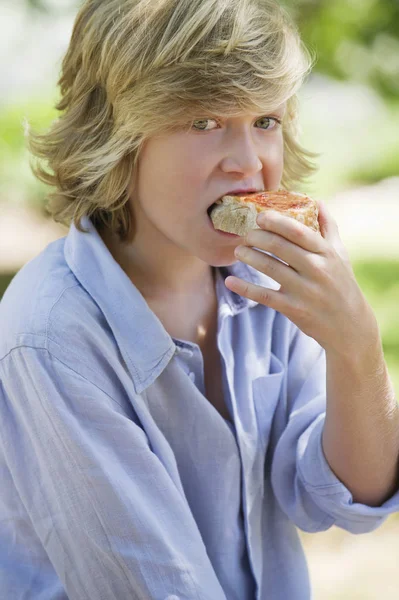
11, 122
380, 284
16, 178
353, 151
353, 39
5, 279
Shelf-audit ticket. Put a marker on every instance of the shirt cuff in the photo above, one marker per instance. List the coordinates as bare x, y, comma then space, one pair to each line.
329, 493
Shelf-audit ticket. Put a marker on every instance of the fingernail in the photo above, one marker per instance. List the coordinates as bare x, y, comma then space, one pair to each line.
239, 251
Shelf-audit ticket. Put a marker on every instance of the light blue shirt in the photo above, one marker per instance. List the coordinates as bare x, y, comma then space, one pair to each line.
119, 479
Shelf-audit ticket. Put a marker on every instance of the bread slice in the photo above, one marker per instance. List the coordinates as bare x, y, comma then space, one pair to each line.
237, 214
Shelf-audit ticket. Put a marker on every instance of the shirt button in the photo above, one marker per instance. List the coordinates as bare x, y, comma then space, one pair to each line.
192, 376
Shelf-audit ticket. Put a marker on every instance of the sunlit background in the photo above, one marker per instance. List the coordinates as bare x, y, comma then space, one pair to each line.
350, 115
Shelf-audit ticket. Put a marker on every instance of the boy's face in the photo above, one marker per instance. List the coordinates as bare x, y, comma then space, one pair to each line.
182, 173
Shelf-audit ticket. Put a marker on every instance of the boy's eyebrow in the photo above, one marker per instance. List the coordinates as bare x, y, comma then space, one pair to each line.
279, 111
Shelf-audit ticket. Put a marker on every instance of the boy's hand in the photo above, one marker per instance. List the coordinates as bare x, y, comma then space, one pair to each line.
319, 291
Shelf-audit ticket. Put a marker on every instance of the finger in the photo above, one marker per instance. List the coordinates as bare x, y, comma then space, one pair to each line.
292, 230
258, 293
294, 255
268, 265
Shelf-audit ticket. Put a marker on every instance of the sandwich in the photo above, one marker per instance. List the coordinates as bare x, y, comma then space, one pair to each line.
237, 214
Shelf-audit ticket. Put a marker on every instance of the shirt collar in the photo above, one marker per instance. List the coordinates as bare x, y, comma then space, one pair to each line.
145, 344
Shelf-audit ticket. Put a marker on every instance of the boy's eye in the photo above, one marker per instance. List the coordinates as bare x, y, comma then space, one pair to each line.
201, 124
271, 122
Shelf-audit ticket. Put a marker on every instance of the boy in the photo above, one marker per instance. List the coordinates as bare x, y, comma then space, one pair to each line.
170, 414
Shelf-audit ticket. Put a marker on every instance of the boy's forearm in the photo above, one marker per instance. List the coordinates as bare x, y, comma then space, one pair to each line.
361, 431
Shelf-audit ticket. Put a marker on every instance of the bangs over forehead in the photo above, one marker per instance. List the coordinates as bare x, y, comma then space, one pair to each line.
225, 56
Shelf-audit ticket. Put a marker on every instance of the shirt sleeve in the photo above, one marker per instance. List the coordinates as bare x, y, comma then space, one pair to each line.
306, 488
110, 518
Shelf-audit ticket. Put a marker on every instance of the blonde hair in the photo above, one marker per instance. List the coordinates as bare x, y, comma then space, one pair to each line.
135, 68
